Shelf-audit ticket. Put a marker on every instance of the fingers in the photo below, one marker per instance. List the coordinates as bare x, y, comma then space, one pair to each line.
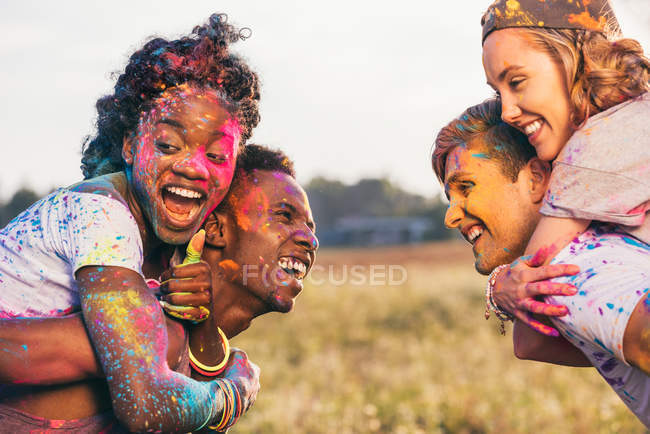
185, 285
535, 306
548, 272
200, 268
536, 325
185, 312
245, 374
194, 299
195, 248
190, 278
546, 287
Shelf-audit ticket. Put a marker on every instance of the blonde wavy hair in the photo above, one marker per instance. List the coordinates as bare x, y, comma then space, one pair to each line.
602, 70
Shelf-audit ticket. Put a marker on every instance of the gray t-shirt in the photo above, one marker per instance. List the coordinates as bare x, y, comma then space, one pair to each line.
603, 172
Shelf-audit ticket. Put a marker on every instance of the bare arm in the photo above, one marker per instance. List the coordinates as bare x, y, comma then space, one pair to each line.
636, 340
47, 351
127, 329
552, 234
531, 345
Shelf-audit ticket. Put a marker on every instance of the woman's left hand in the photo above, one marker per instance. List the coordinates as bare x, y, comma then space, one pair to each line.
187, 288
516, 287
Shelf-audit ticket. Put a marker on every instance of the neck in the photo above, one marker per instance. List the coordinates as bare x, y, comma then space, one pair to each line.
234, 308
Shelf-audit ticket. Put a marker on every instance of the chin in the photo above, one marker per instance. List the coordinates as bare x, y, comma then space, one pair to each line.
482, 269
484, 265
277, 303
169, 236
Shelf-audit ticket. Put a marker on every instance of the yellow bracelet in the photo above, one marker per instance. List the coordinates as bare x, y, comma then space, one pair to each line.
226, 350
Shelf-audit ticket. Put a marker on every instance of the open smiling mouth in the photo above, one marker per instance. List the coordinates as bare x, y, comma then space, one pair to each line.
182, 204
474, 233
293, 267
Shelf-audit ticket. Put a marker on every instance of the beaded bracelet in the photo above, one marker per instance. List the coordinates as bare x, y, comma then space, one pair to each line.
490, 305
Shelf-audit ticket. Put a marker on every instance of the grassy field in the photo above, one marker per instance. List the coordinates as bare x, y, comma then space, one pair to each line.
412, 358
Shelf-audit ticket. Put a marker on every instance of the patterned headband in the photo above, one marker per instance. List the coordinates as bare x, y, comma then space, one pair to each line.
596, 15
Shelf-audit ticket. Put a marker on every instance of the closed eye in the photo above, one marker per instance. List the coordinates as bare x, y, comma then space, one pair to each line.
217, 158
283, 214
465, 187
166, 147
515, 82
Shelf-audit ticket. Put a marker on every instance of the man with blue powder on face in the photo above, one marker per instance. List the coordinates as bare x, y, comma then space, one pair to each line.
495, 185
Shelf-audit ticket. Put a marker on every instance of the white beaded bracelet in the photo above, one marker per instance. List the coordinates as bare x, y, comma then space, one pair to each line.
490, 305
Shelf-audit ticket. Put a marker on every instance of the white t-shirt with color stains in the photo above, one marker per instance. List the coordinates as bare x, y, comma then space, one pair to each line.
614, 277
42, 248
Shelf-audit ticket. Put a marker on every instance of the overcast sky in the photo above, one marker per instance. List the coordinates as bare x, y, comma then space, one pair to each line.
350, 89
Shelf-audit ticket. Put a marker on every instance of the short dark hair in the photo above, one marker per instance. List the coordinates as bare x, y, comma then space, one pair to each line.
260, 157
508, 146
201, 59
256, 157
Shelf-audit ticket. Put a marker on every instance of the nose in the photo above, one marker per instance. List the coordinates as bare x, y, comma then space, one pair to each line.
454, 214
510, 110
193, 165
306, 239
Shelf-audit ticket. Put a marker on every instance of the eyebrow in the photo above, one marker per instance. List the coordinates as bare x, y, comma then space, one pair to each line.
454, 178
310, 224
172, 122
503, 73
176, 124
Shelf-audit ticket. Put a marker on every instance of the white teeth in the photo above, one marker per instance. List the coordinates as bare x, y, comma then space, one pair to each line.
184, 192
533, 127
291, 264
474, 233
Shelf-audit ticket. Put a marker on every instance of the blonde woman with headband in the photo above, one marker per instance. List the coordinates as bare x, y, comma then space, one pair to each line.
579, 93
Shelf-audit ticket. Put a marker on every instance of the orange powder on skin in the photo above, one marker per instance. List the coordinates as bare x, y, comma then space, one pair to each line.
254, 201
230, 269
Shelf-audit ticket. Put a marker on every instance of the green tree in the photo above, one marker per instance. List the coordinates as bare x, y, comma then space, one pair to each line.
372, 197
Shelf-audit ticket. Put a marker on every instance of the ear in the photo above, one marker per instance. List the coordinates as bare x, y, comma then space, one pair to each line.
127, 149
540, 173
215, 230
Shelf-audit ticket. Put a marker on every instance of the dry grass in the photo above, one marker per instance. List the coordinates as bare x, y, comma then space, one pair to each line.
414, 358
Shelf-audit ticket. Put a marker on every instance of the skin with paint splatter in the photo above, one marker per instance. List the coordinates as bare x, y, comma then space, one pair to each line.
473, 185
234, 304
179, 165
533, 90
127, 329
484, 200
275, 227
186, 148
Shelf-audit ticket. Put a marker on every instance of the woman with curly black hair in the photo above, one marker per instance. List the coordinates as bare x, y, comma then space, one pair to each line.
162, 159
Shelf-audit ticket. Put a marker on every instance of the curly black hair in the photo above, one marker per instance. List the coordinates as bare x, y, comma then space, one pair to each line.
201, 58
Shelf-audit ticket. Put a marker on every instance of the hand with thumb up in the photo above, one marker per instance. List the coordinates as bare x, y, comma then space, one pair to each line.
186, 288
